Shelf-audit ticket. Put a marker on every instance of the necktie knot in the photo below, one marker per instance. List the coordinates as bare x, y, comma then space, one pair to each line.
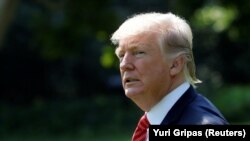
141, 129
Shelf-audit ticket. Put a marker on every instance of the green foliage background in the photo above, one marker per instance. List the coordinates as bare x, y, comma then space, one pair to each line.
59, 75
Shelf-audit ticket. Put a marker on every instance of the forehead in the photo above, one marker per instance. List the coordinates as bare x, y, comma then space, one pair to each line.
142, 40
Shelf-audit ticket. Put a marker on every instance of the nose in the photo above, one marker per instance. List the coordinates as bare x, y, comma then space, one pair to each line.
126, 63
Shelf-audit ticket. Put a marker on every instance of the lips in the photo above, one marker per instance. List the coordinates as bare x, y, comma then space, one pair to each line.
130, 80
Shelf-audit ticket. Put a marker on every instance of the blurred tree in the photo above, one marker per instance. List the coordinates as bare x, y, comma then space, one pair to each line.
54, 51
61, 43
7, 10
61, 48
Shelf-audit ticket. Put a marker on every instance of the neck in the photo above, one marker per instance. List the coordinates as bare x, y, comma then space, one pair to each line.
175, 82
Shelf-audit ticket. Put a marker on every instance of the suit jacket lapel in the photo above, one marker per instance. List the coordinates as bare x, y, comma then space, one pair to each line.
176, 111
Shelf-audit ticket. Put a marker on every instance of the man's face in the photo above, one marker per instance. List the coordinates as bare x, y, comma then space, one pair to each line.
144, 70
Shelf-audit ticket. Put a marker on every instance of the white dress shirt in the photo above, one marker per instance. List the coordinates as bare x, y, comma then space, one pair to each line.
159, 111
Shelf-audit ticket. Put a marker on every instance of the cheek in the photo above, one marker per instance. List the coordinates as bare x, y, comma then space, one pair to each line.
153, 70
159, 74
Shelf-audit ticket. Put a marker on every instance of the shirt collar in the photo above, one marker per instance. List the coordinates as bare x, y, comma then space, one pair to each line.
160, 110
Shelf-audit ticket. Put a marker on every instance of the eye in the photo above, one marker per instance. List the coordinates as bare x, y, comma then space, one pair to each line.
139, 53
120, 56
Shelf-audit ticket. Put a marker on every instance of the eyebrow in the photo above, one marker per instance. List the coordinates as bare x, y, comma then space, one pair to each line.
132, 46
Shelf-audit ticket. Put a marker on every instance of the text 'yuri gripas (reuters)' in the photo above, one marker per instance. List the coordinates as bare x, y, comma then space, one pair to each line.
239, 132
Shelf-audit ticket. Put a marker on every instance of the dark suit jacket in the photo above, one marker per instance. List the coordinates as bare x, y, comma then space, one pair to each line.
194, 109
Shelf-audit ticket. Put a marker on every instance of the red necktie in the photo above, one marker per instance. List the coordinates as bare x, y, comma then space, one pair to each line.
141, 129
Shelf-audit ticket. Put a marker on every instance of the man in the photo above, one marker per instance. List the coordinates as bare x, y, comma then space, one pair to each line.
158, 71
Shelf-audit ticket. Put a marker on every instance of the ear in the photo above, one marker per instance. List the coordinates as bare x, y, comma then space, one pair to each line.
177, 65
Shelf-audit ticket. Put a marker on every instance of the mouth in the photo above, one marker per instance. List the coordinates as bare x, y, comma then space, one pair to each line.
130, 80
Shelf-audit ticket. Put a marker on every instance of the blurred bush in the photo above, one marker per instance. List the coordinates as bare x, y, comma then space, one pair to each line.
99, 114
234, 101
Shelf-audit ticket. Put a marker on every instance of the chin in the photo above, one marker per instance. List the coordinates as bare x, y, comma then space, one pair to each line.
132, 94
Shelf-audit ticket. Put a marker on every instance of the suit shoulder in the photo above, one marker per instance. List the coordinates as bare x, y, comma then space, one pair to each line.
201, 111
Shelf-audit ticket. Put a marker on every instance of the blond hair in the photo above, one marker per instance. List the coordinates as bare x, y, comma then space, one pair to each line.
175, 36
